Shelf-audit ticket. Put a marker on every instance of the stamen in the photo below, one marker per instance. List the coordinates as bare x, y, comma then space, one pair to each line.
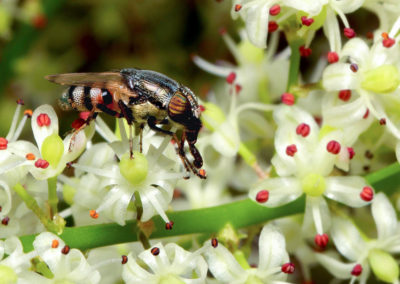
55, 243
43, 120
214, 242
275, 10
333, 147
65, 249
40, 163
238, 88
231, 78
305, 51
366, 114
3, 143
291, 150
382, 121
307, 21
5, 221
351, 152
369, 155
20, 102
344, 95
354, 67
20, 127
321, 240
303, 129
287, 99
169, 225
367, 194
93, 214
30, 157
357, 270
387, 41
39, 21
332, 57
349, 33
272, 26
28, 113
238, 7
202, 108
155, 251
14, 122
262, 196
288, 268
124, 259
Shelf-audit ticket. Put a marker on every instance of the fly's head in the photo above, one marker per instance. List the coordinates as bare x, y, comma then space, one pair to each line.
184, 110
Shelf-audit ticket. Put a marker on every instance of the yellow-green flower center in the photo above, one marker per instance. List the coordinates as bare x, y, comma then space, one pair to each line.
52, 149
313, 185
134, 170
252, 279
7, 275
250, 52
212, 116
383, 79
170, 279
383, 265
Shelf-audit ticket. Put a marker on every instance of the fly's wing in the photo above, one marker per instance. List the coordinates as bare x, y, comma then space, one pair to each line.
112, 81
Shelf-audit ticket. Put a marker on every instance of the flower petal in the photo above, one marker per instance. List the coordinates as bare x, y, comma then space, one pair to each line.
339, 269
272, 247
41, 132
317, 214
346, 189
384, 216
256, 19
338, 76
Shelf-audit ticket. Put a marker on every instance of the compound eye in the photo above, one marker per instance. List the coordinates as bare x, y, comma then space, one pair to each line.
178, 105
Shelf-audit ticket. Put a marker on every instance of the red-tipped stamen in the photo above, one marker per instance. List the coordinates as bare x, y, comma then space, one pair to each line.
28, 113
262, 196
291, 150
169, 225
238, 7
303, 129
5, 221
382, 121
43, 120
354, 67
333, 57
272, 26
344, 95
30, 157
54, 244
155, 251
351, 152
305, 51
366, 114
275, 10
288, 268
231, 78
321, 240
214, 242
65, 249
333, 147
3, 143
94, 214
20, 102
349, 33
287, 99
124, 259
42, 164
307, 21
387, 41
357, 270
367, 194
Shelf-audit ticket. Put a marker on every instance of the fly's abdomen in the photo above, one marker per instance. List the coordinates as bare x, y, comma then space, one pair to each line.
85, 98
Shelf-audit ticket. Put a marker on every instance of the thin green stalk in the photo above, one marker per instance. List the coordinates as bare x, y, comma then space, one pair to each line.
240, 214
294, 63
53, 199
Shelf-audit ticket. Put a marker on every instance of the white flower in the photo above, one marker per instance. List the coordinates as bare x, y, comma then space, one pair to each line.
366, 254
169, 264
273, 258
305, 158
68, 265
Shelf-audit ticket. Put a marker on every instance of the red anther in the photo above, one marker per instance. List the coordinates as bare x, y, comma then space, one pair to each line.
20, 102
318, 120
214, 242
307, 21
54, 244
28, 113
349, 32
321, 240
5, 221
1, 208
40, 163
370, 35
351, 152
382, 121
332, 57
222, 31
367, 194
366, 114
303, 129
288, 268
272, 26
368, 154
39, 21
69, 165
155, 251
238, 88
305, 51
333, 147
124, 259
203, 173
291, 150
202, 108
354, 67
3, 143
65, 249
275, 10
238, 7
94, 214
231, 78
169, 225
287, 99
387, 41
30, 157
357, 270
84, 115
43, 120
344, 95
262, 196
77, 123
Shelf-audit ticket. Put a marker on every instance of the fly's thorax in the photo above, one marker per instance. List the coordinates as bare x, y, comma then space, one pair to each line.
64, 102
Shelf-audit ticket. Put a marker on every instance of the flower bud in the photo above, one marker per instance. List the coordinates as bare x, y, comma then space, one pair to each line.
7, 274
383, 79
52, 149
313, 185
135, 170
384, 265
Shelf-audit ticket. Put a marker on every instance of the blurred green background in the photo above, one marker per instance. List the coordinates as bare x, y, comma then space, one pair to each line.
38, 38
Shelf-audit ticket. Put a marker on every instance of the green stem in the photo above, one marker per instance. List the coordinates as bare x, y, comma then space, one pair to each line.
53, 199
240, 214
32, 205
294, 63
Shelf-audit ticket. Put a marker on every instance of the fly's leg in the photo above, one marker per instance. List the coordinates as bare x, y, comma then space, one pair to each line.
151, 121
127, 113
91, 117
141, 126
